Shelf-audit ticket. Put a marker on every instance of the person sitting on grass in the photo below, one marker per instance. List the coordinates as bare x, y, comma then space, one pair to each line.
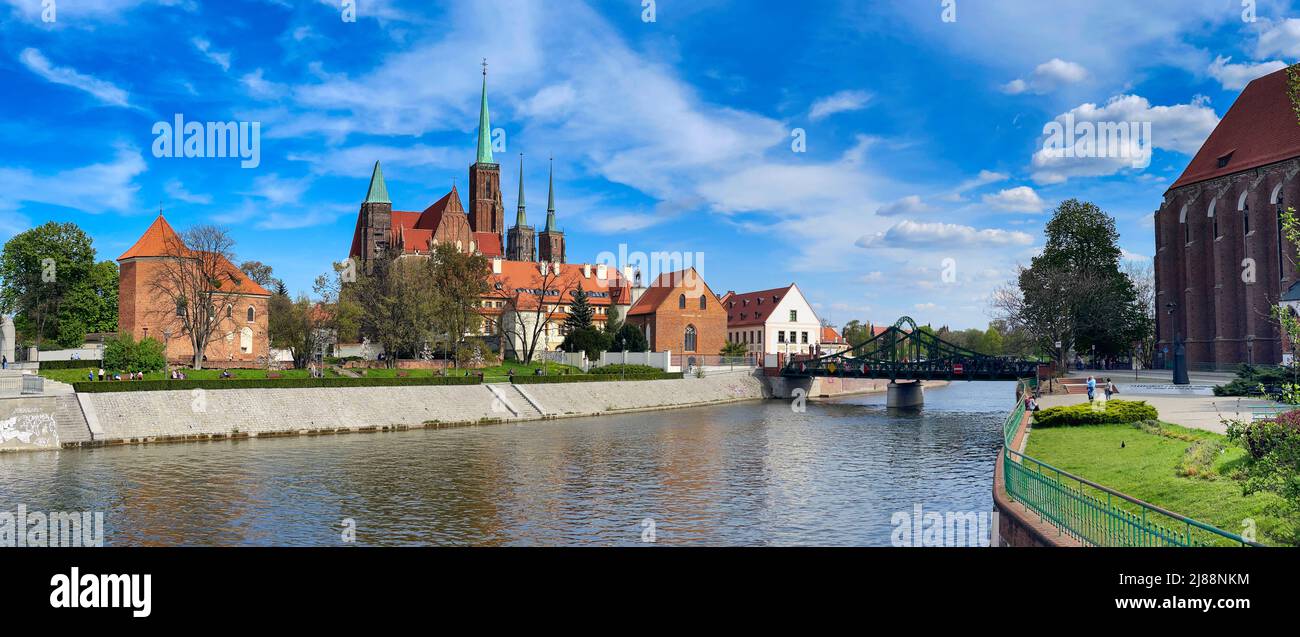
90, 375
225, 373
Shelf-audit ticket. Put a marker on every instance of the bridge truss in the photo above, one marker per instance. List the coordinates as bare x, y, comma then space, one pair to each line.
904, 352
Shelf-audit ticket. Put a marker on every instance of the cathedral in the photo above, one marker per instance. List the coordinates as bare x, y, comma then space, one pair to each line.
480, 229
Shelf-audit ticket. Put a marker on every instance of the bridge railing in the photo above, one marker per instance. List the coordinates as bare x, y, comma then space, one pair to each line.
1094, 514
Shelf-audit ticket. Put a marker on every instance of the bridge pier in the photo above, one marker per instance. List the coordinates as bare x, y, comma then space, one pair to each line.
905, 395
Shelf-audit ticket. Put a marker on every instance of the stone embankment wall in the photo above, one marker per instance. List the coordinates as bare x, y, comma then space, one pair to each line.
163, 416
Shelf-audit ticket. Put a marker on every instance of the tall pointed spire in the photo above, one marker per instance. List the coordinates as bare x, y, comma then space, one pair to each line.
550, 199
378, 192
484, 124
519, 216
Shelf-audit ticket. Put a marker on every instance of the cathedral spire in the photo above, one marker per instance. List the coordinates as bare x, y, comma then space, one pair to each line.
519, 216
378, 192
550, 199
484, 124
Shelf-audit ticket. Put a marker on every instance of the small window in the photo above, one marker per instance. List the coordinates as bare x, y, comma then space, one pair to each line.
780, 336
681, 301
803, 337
1223, 161
180, 308
250, 314
704, 304
230, 312
794, 316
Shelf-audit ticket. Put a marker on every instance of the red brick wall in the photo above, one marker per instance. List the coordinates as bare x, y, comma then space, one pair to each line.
142, 313
669, 321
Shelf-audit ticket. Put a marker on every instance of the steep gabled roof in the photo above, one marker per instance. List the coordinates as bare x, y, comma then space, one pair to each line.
488, 244
1259, 129
752, 308
665, 285
154, 242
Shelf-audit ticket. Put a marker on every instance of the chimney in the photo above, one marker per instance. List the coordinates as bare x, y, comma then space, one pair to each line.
496, 265
542, 269
602, 272
586, 270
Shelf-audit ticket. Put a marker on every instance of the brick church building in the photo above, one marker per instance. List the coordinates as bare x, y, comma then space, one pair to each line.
1221, 263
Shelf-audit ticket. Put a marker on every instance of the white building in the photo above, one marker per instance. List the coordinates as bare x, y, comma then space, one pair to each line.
777, 321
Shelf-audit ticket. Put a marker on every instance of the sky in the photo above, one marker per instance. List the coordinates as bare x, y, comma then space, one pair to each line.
889, 156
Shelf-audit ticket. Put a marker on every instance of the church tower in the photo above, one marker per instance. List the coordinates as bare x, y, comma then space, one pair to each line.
486, 211
376, 218
551, 242
519, 243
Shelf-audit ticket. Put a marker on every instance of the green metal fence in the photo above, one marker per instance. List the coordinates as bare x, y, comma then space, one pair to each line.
1094, 514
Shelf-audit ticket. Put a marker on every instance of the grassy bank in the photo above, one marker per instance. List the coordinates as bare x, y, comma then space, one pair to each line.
79, 375
1187, 471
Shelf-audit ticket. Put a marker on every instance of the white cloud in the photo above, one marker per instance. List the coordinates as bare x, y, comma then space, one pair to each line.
909, 205
220, 58
260, 88
841, 102
1048, 77
1018, 199
95, 188
1181, 128
103, 91
176, 190
1279, 39
938, 235
1235, 77
357, 161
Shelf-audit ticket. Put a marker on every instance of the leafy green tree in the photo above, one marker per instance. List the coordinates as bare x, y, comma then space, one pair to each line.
588, 339
734, 349
39, 270
398, 307
124, 353
629, 339
459, 282
1074, 293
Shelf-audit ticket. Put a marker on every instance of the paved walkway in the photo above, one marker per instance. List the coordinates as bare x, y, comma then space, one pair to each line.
1196, 412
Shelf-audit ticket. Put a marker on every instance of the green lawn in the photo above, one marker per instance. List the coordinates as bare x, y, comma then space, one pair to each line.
501, 370
1146, 467
79, 375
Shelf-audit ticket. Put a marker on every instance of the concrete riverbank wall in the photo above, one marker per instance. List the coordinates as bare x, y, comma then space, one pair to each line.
192, 415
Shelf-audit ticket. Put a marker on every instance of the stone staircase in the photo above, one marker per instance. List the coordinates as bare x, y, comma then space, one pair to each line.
68, 419
513, 404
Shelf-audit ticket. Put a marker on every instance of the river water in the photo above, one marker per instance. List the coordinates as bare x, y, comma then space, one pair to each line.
754, 473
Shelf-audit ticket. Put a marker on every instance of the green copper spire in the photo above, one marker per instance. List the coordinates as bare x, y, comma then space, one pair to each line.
519, 216
484, 125
378, 192
550, 199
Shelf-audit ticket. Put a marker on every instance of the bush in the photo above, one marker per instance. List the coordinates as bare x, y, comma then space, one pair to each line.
125, 353
1115, 411
621, 369
586, 339
1252, 380
1198, 461
88, 363
590, 378
1259, 438
629, 339
279, 383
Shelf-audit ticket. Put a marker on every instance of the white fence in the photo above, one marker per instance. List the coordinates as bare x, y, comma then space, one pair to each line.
576, 359
662, 360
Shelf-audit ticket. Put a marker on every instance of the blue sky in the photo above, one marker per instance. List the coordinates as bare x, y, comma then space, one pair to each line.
923, 136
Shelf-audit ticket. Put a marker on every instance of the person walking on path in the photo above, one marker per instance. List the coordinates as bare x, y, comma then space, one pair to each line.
1111, 389
1092, 388
4, 362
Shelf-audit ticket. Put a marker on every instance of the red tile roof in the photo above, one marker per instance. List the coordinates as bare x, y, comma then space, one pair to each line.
489, 243
829, 335
524, 276
752, 308
160, 240
664, 286
1259, 129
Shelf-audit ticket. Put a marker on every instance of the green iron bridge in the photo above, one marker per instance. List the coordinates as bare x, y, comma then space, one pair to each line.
904, 353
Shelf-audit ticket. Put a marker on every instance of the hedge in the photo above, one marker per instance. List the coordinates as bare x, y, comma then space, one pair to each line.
268, 383
81, 364
590, 378
629, 369
1114, 412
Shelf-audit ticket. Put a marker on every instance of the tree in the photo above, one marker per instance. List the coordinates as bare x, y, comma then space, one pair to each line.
629, 339
1073, 295
734, 349
39, 269
580, 312
196, 281
528, 315
398, 306
340, 314
1143, 276
124, 353
588, 340
259, 272
459, 284
90, 306
297, 326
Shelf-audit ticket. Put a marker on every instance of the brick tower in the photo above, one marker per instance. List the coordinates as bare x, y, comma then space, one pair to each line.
550, 244
486, 211
522, 237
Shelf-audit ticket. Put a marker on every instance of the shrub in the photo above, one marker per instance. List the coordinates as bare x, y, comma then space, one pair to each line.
125, 353
620, 369
1259, 438
590, 378
86, 363
1198, 461
279, 383
1115, 411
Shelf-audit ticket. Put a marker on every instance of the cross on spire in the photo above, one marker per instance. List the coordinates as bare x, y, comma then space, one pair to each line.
484, 67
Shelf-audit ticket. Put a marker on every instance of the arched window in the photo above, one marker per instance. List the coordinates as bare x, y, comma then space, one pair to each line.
1281, 237
1245, 213
1187, 227
230, 312
689, 345
681, 302
704, 304
1214, 221
246, 340
250, 314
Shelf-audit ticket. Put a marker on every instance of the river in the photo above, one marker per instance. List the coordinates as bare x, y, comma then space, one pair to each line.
755, 473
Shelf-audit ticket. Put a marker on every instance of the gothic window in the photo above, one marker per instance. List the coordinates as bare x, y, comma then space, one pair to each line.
1214, 219
690, 339
681, 301
704, 305
250, 314
1281, 238
230, 312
